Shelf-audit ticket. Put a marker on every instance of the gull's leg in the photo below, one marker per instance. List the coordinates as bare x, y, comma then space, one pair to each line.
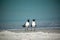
34, 28
26, 28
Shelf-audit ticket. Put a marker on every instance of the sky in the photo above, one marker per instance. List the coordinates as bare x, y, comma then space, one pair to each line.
18, 11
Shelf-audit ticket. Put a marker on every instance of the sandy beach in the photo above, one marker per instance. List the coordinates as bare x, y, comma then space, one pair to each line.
30, 35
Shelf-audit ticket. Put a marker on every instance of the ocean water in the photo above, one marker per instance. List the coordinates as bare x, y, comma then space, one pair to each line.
40, 24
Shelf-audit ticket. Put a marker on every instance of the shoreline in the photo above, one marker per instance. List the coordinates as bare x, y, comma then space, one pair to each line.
37, 30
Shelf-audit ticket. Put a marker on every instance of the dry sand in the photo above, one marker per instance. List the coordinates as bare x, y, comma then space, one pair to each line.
29, 35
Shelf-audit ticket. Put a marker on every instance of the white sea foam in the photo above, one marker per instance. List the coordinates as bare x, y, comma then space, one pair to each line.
8, 35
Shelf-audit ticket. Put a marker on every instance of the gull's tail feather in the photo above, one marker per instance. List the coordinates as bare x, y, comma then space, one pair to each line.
23, 25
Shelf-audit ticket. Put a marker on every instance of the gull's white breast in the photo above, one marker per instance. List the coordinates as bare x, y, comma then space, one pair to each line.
33, 24
27, 24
